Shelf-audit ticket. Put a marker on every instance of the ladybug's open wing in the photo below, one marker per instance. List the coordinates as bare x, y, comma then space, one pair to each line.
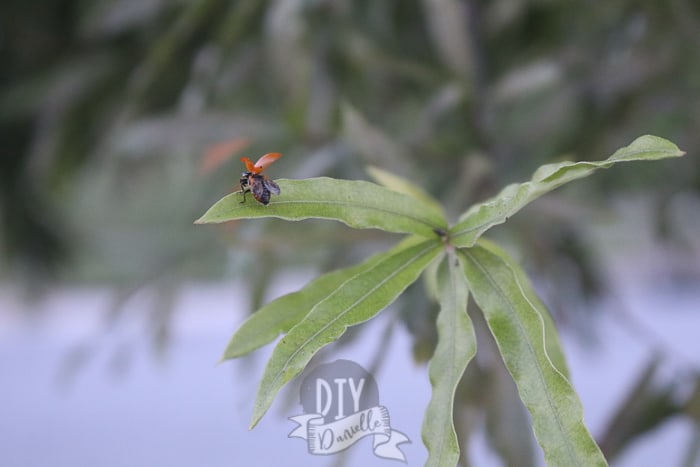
265, 161
272, 186
249, 166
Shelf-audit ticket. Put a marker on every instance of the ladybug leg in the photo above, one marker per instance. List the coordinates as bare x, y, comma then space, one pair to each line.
245, 186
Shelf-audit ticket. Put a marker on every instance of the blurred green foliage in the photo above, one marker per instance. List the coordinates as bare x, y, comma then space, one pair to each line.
100, 99
107, 107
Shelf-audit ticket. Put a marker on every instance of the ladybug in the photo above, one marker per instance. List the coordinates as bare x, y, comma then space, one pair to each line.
253, 180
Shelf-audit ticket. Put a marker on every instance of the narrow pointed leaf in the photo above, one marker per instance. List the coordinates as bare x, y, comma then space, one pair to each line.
280, 315
481, 217
354, 301
554, 348
456, 347
552, 342
520, 332
358, 204
401, 185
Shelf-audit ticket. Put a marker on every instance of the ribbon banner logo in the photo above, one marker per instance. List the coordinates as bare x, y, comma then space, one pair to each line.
341, 407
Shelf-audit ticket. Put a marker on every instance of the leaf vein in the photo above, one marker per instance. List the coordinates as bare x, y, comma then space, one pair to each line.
354, 204
521, 328
348, 309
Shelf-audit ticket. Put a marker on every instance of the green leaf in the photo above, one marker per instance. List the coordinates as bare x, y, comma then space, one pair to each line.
356, 300
281, 314
554, 348
430, 278
456, 347
401, 185
358, 204
519, 329
552, 343
481, 217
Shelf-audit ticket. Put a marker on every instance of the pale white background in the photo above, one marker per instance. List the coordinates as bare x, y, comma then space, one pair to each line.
184, 409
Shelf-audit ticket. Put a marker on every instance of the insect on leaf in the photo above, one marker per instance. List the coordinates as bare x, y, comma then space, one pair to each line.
358, 204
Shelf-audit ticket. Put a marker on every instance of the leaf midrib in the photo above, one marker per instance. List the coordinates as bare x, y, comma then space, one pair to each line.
631, 156
355, 204
453, 353
540, 370
281, 372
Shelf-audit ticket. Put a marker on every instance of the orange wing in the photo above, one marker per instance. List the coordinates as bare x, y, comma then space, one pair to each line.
262, 163
249, 166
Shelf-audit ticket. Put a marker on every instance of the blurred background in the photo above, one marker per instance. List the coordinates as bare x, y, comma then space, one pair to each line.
122, 121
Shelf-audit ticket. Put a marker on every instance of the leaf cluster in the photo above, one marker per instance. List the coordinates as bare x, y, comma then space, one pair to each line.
466, 264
